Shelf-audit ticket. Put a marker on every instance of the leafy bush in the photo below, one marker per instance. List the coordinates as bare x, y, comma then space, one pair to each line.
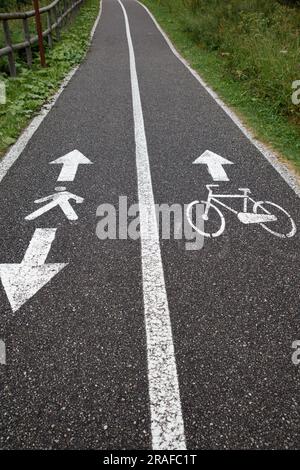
11, 5
258, 41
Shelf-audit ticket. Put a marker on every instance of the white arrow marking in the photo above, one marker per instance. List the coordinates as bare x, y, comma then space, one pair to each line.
22, 281
70, 163
214, 164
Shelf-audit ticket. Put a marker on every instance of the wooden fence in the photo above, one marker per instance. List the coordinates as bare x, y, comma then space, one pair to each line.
58, 13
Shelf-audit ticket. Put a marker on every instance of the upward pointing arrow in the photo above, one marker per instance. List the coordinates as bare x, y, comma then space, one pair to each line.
70, 163
22, 281
214, 164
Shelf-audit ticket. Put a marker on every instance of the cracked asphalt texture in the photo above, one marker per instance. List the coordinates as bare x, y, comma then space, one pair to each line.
76, 374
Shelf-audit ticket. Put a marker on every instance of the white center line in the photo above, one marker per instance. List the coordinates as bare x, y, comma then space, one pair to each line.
166, 415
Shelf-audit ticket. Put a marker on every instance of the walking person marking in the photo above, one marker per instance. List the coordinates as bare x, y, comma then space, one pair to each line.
62, 199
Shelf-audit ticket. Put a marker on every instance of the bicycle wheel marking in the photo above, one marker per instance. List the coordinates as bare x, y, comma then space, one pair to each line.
292, 224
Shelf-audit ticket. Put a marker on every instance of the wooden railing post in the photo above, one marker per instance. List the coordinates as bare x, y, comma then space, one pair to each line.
61, 10
56, 16
8, 42
39, 30
73, 12
65, 7
49, 26
27, 38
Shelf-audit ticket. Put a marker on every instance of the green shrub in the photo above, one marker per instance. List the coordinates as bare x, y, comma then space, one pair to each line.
14, 5
259, 42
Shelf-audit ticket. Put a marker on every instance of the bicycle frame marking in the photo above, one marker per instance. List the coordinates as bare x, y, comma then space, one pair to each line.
215, 197
244, 216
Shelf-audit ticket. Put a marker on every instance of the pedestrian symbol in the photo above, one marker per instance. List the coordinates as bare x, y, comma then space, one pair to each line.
60, 198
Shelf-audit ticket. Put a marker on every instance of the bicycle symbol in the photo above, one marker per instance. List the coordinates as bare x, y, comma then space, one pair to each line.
262, 213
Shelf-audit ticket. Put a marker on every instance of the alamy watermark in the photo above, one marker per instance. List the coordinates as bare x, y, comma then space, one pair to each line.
170, 220
296, 94
296, 353
2, 93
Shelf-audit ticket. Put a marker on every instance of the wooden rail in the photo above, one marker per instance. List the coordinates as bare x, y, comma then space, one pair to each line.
58, 12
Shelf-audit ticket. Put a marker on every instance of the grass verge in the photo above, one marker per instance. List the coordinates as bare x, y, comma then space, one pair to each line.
33, 87
259, 113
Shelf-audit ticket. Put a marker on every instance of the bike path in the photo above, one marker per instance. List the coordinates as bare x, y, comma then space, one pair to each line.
234, 304
77, 374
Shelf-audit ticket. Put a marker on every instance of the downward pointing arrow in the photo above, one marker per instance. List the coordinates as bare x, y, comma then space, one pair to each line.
22, 281
70, 163
214, 164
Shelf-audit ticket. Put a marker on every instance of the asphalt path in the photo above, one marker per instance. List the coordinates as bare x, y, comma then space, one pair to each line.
90, 364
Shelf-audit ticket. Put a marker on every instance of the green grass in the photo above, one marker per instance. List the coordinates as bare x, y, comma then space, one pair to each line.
33, 87
238, 52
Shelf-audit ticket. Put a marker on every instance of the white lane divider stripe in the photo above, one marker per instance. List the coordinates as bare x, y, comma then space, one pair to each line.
166, 415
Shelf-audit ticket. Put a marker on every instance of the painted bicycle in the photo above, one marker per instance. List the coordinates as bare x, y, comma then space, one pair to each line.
264, 213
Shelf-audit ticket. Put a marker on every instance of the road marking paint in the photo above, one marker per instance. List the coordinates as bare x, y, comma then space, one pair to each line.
286, 173
15, 151
2, 352
214, 164
166, 416
61, 199
70, 163
259, 214
22, 281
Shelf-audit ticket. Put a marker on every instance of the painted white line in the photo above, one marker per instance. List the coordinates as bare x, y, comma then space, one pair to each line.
166, 415
214, 164
289, 177
70, 163
22, 281
15, 151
